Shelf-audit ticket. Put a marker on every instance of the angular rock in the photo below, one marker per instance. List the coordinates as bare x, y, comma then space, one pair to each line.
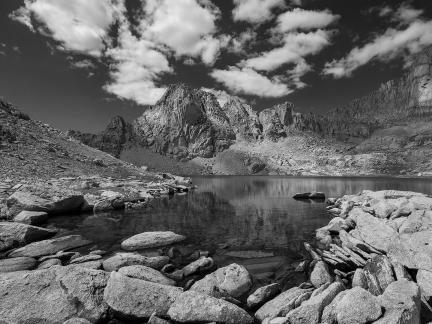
320, 274
421, 202
233, 281
51, 246
359, 279
358, 306
379, 274
52, 295
138, 299
17, 264
400, 271
150, 240
49, 263
263, 294
310, 311
12, 234
374, 231
31, 217
192, 306
120, 260
146, 273
413, 251
274, 307
424, 281
419, 220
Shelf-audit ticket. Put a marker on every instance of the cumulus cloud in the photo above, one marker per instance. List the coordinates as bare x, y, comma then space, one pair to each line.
250, 82
305, 19
239, 43
78, 25
391, 44
255, 11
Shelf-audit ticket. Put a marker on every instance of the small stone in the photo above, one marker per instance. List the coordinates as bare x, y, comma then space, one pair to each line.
263, 294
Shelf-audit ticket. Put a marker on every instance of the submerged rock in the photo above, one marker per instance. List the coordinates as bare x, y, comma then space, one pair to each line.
138, 299
120, 260
52, 295
192, 306
150, 240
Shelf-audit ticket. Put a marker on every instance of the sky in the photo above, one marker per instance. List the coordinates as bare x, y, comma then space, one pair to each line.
75, 64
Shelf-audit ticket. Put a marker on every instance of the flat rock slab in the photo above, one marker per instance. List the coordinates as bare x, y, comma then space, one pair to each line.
120, 260
151, 240
12, 234
31, 217
17, 264
146, 273
52, 246
52, 295
139, 299
194, 307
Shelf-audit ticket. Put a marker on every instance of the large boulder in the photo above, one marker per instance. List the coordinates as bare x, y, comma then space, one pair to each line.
120, 260
31, 217
310, 311
137, 299
146, 273
12, 234
412, 250
151, 240
230, 281
262, 295
374, 231
195, 307
379, 274
52, 295
320, 274
357, 306
50, 246
17, 264
283, 302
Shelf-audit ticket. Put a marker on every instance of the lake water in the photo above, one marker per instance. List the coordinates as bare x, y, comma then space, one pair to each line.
251, 220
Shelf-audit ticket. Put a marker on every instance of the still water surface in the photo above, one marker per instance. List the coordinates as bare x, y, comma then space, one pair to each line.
230, 215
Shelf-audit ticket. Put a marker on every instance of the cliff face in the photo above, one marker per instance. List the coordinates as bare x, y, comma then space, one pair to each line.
243, 119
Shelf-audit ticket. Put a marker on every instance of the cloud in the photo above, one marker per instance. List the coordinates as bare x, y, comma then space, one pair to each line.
305, 19
82, 64
239, 43
250, 82
407, 14
255, 11
393, 43
296, 46
79, 25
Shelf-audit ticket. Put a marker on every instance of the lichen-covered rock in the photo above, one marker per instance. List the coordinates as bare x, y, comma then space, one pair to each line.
146, 273
193, 307
419, 220
120, 260
52, 295
138, 299
151, 240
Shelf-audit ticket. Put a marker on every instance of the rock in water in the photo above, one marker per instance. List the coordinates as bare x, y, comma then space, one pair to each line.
120, 260
138, 299
357, 306
151, 240
320, 274
31, 217
51, 246
191, 306
52, 295
230, 281
17, 264
16, 233
146, 273
263, 294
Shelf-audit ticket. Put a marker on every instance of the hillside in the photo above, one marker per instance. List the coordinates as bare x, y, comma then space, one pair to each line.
388, 131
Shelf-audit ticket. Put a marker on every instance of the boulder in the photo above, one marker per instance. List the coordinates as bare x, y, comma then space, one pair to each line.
151, 240
49, 263
424, 280
383, 209
317, 195
192, 306
310, 311
31, 217
146, 273
419, 220
233, 281
374, 231
275, 306
329, 315
359, 279
51, 246
52, 295
120, 260
138, 299
421, 202
350, 241
320, 274
12, 234
412, 250
17, 264
262, 295
304, 195
379, 274
401, 303
400, 271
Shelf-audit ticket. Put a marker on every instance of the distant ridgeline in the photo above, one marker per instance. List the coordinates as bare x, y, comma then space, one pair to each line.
187, 123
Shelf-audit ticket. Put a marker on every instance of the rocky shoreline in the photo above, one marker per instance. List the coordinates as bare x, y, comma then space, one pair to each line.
372, 264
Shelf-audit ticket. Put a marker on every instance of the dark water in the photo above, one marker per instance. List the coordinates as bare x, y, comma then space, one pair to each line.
250, 213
